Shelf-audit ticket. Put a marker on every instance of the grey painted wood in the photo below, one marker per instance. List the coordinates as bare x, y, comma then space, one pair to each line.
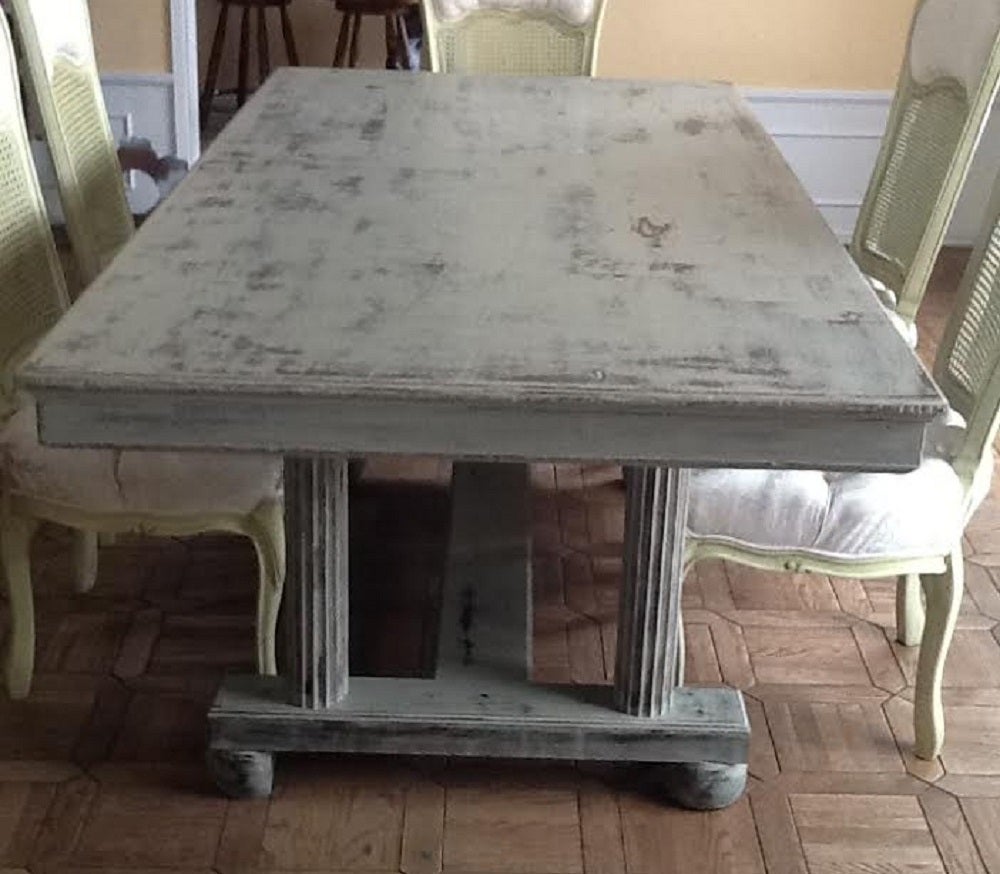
699, 785
449, 259
316, 590
241, 773
646, 666
486, 598
480, 714
480, 703
684, 437
494, 268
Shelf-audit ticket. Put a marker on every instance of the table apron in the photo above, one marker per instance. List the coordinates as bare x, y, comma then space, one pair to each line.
292, 425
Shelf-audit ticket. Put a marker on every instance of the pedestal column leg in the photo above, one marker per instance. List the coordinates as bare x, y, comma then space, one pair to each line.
648, 616
649, 629
316, 591
315, 611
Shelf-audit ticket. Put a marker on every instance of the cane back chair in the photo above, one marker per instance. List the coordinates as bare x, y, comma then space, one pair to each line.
946, 86
97, 490
865, 525
517, 37
58, 52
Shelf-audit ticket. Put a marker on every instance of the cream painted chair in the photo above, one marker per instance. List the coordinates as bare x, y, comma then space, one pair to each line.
876, 525
97, 490
58, 50
946, 86
517, 37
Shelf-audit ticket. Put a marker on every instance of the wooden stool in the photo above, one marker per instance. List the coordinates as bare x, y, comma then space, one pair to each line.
353, 11
263, 54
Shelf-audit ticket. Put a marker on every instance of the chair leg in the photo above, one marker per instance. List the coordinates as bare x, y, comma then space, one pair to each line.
909, 610
84, 559
681, 651
340, 52
267, 531
214, 59
263, 48
943, 594
244, 59
286, 30
15, 563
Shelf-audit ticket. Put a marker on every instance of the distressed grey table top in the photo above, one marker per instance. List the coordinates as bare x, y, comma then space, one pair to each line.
479, 244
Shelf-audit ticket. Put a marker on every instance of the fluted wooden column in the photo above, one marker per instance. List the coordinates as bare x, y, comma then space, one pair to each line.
316, 590
649, 612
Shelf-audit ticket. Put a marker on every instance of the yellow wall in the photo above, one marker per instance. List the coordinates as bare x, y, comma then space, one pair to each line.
314, 23
839, 44
132, 36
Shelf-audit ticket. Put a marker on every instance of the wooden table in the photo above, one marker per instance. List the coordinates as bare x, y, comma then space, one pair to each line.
489, 269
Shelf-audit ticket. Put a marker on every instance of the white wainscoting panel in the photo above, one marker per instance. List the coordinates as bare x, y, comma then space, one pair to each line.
831, 140
138, 106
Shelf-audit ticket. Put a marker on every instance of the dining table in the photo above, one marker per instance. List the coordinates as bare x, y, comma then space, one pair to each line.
495, 270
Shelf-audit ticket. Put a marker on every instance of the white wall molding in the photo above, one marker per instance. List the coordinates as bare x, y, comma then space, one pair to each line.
184, 64
831, 140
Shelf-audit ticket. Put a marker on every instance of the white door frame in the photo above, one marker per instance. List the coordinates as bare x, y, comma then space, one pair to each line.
184, 65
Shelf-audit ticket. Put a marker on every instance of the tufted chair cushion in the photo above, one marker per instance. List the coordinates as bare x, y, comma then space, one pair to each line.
140, 481
837, 515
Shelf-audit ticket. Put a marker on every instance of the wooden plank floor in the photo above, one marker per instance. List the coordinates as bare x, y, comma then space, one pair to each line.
100, 770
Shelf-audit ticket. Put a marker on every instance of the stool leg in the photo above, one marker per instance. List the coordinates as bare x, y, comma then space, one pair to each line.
241, 88
355, 39
214, 58
263, 49
345, 29
391, 38
286, 30
402, 43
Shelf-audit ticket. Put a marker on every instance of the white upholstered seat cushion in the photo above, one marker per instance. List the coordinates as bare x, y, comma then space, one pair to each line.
886, 297
140, 481
833, 515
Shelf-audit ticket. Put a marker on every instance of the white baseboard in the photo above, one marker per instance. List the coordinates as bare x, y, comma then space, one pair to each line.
831, 140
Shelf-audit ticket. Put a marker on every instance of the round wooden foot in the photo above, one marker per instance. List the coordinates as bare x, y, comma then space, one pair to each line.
242, 773
700, 785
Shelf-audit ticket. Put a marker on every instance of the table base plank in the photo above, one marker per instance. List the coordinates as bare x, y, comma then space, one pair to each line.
480, 715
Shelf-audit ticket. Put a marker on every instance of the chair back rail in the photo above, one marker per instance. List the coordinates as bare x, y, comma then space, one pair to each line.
947, 83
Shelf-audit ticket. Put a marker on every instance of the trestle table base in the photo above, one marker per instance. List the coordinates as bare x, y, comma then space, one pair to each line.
480, 701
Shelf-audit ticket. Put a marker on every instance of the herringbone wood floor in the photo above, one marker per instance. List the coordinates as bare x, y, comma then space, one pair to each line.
100, 770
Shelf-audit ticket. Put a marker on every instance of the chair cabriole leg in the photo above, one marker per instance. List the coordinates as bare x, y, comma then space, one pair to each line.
909, 610
943, 595
84, 559
267, 533
15, 562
